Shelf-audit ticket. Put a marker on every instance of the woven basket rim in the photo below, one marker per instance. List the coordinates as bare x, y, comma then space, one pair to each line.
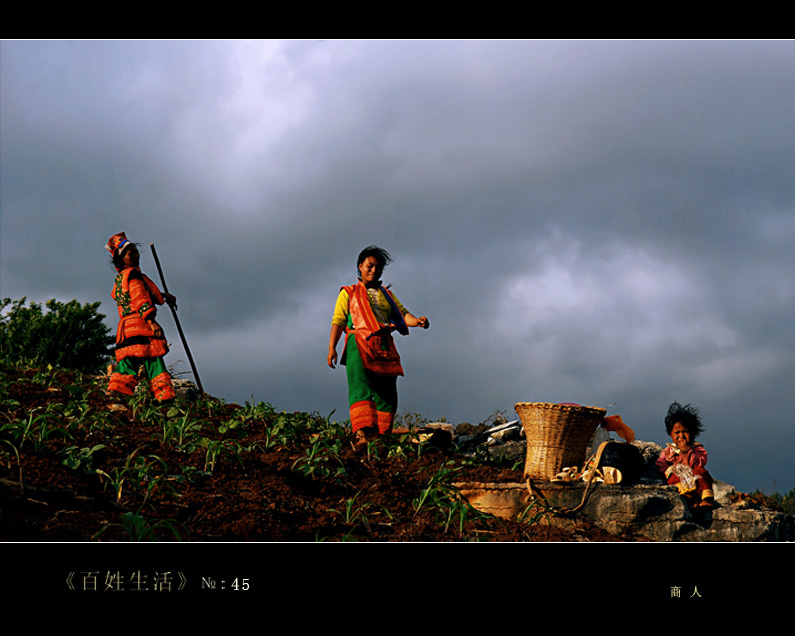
562, 407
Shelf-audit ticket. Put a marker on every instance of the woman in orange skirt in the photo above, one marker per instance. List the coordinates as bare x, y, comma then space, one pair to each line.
140, 342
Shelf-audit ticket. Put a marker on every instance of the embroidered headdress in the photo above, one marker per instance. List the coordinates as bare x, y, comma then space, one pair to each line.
117, 244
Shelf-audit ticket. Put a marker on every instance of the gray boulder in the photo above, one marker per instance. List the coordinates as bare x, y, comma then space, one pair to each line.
185, 389
639, 511
647, 509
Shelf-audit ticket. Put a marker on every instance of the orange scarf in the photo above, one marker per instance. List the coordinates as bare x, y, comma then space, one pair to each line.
374, 341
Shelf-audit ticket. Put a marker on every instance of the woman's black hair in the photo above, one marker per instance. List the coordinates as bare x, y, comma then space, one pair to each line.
380, 254
118, 262
687, 416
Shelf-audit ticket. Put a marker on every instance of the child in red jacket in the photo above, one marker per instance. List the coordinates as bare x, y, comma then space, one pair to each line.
684, 459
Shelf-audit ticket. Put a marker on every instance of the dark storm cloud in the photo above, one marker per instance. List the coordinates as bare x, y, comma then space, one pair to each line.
582, 221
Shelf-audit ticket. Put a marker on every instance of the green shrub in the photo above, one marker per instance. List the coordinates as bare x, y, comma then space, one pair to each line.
69, 335
776, 501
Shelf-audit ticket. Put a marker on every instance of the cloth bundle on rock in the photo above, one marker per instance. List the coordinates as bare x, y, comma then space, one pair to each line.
616, 424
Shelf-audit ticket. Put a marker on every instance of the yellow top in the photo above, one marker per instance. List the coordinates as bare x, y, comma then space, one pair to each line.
378, 302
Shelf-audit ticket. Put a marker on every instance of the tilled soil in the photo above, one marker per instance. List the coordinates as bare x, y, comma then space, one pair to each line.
256, 496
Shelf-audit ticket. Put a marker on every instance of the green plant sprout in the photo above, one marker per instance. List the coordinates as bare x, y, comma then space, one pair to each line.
137, 529
137, 471
353, 515
77, 457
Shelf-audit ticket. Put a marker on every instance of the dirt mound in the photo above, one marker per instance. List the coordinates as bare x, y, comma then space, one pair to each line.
78, 465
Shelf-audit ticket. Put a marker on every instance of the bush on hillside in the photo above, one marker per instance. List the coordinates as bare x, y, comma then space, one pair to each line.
776, 501
68, 335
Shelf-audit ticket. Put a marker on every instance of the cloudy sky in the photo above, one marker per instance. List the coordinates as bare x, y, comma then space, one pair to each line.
582, 221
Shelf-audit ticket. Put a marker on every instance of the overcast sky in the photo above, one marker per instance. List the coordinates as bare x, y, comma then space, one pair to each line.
582, 221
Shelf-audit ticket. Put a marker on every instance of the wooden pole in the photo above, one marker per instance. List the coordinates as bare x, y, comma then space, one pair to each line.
176, 320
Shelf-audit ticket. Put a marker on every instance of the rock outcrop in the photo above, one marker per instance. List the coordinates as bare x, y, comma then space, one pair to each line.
185, 389
638, 511
647, 509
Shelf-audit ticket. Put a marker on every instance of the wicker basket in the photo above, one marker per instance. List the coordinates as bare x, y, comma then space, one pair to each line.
557, 435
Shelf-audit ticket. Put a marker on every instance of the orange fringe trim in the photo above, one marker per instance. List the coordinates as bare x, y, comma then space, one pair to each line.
162, 387
363, 415
124, 384
385, 421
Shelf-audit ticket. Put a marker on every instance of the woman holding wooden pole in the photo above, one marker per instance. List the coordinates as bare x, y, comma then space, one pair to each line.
140, 342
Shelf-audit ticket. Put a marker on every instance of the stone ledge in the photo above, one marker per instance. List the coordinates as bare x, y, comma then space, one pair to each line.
648, 511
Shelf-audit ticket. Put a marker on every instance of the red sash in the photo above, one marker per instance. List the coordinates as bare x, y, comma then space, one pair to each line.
374, 341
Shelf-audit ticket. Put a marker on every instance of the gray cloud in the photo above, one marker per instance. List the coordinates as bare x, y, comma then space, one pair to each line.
582, 221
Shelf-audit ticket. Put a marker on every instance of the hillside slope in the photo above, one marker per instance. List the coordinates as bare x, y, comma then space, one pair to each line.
78, 465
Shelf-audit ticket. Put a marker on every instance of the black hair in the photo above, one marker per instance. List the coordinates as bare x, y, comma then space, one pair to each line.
687, 416
118, 262
380, 254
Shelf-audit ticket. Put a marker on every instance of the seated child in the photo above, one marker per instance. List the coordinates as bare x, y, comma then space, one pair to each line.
683, 460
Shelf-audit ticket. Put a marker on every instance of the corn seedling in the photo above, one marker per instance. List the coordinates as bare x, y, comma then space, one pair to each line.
115, 480
36, 421
137, 472
455, 506
6, 453
438, 489
534, 512
400, 446
249, 414
44, 376
215, 449
46, 431
8, 457
136, 528
352, 514
77, 457
322, 459
445, 500
77, 412
182, 428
